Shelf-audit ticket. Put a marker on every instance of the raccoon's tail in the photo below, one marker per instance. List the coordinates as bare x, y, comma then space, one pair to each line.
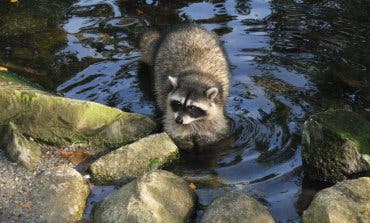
147, 46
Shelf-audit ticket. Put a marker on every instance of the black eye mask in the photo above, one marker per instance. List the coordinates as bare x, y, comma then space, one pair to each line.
195, 112
176, 105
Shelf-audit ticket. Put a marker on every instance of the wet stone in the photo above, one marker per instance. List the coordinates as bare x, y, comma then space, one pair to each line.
236, 207
157, 196
336, 144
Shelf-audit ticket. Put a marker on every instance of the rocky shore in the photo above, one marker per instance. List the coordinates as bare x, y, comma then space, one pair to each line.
40, 183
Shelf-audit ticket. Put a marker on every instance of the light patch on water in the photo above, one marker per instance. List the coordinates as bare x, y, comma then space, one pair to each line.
112, 3
74, 47
201, 10
75, 24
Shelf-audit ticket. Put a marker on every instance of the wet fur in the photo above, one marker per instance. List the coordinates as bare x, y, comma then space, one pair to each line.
195, 56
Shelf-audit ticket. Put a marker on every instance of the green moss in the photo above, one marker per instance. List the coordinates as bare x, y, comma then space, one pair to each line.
155, 163
62, 121
347, 125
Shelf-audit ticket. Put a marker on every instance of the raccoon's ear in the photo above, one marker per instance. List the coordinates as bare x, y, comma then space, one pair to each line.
212, 93
173, 81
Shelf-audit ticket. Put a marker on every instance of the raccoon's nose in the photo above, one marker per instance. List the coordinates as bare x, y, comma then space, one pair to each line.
179, 120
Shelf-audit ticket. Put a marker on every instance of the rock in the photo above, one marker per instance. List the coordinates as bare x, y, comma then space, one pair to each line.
158, 196
61, 195
18, 148
236, 207
336, 144
347, 201
62, 121
135, 159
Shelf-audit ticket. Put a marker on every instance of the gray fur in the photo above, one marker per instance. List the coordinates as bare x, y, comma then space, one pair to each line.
198, 69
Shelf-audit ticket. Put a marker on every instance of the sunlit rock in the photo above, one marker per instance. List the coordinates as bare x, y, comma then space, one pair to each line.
236, 207
347, 201
62, 121
134, 159
158, 196
335, 144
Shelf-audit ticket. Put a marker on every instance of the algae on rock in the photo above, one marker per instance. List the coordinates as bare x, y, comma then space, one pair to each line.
62, 121
336, 143
134, 159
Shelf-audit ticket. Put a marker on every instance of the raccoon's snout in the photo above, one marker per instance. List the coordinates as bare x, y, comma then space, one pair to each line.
179, 120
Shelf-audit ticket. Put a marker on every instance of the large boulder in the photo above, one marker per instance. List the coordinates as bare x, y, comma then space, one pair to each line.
347, 201
158, 196
236, 207
135, 159
336, 143
62, 121
18, 148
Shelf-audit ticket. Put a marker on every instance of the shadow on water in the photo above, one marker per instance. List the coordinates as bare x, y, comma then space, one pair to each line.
288, 58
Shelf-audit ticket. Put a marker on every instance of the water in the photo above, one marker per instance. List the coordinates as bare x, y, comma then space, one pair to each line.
289, 59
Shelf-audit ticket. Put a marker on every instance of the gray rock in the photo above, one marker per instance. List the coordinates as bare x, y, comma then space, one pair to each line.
18, 148
236, 207
135, 159
336, 144
61, 195
158, 196
347, 201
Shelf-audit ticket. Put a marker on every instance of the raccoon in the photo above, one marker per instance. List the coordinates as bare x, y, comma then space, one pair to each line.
191, 83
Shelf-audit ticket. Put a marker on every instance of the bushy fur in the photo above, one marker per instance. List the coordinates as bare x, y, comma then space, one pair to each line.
196, 59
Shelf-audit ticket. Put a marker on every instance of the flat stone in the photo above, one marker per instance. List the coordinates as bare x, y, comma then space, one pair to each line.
135, 159
63, 121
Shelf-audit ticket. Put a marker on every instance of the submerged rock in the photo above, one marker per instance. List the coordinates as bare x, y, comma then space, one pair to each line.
18, 148
236, 207
135, 159
158, 196
347, 201
335, 144
62, 121
61, 195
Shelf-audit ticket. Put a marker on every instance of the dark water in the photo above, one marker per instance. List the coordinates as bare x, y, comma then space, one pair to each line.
289, 59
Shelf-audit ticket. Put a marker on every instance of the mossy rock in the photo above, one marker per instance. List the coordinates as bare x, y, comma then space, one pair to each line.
62, 121
134, 160
336, 144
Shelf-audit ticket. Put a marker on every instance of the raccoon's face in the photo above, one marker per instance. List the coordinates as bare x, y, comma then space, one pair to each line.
189, 104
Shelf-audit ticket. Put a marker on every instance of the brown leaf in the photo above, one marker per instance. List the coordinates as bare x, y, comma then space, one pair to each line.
74, 156
192, 186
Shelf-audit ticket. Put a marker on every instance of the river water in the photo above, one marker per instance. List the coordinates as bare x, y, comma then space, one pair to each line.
288, 59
